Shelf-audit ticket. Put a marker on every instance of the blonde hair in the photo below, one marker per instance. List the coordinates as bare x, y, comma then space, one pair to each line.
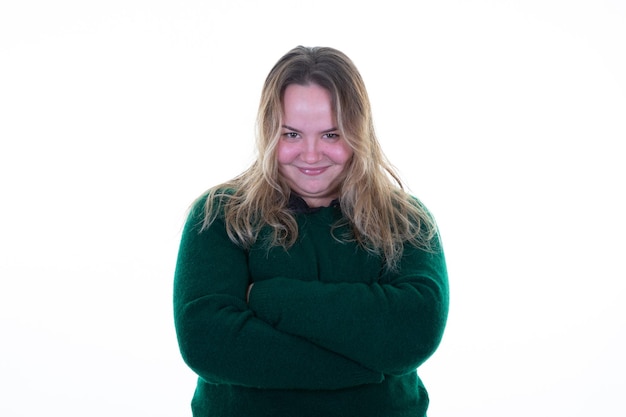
381, 215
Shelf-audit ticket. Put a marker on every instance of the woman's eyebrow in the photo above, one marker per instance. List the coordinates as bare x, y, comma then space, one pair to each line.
332, 129
291, 128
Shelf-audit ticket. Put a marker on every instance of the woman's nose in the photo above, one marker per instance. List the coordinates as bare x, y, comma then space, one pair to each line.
311, 152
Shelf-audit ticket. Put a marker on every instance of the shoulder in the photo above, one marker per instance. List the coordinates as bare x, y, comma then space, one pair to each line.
412, 206
424, 221
215, 197
208, 206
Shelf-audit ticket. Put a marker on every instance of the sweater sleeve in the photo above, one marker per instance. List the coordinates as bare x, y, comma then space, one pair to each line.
391, 326
221, 339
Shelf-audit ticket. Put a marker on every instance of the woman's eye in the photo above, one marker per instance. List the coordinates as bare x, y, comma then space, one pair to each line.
333, 136
290, 135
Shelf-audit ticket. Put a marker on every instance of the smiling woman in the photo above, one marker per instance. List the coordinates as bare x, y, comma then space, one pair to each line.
312, 284
312, 156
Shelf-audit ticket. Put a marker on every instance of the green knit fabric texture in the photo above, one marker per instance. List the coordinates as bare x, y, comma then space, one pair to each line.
327, 330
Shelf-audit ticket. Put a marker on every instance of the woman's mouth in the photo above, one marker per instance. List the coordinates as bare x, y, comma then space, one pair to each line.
312, 171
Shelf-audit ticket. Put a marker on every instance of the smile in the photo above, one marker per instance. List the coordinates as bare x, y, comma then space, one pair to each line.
313, 171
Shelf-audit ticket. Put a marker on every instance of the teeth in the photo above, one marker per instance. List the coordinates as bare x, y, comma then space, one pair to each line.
313, 171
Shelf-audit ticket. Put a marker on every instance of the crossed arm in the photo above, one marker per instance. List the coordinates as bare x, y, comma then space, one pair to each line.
286, 333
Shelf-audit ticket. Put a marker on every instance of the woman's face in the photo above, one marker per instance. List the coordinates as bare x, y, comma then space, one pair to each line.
312, 156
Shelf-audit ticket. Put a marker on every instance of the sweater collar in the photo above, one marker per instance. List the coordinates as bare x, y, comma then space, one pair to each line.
298, 205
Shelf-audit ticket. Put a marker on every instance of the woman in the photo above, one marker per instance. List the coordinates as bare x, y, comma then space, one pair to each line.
312, 284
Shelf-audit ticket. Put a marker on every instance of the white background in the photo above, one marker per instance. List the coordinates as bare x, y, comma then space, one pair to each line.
507, 118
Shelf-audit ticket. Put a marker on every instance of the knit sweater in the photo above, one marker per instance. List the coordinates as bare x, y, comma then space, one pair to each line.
327, 330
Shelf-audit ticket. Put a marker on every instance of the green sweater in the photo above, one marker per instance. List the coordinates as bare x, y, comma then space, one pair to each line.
326, 332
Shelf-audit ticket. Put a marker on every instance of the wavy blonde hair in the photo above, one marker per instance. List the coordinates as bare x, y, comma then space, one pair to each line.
381, 215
